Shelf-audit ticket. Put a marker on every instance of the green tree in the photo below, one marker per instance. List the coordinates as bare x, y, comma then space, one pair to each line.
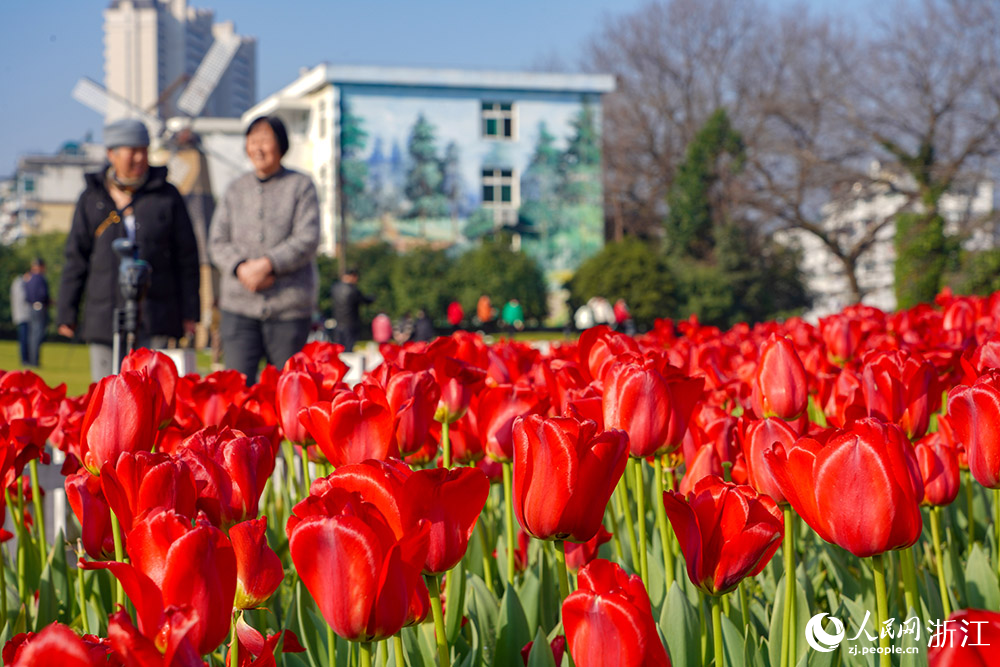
979, 274
421, 280
715, 152
494, 269
922, 254
354, 170
16, 258
631, 270
425, 179
581, 163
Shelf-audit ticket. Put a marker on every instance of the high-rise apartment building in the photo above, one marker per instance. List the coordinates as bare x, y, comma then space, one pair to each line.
151, 48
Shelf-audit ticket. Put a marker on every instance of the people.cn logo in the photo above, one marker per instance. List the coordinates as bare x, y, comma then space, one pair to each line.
820, 639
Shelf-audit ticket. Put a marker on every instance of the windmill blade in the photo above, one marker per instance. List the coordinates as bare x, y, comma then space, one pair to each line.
207, 76
92, 95
95, 96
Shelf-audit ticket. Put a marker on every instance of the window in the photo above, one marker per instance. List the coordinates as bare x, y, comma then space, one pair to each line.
498, 120
501, 194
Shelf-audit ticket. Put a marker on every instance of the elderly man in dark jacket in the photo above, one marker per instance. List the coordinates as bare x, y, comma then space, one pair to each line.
128, 199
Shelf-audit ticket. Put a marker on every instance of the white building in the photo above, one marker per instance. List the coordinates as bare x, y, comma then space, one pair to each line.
850, 219
151, 48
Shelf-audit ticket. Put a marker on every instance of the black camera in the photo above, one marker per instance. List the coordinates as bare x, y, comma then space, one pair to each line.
133, 274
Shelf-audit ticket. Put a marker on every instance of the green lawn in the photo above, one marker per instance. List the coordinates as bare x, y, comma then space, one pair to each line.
65, 362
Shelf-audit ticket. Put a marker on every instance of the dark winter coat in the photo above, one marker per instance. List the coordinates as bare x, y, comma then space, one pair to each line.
347, 300
165, 240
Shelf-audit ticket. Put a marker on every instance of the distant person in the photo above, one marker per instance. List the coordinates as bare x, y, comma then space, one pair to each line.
128, 199
263, 239
455, 314
381, 329
512, 314
623, 318
20, 315
347, 300
402, 330
484, 311
603, 312
583, 318
36, 291
423, 328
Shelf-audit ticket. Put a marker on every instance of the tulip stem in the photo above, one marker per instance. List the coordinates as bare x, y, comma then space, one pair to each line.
717, 631
116, 531
234, 646
613, 519
996, 525
397, 644
484, 543
445, 445
968, 509
911, 596
789, 621
365, 654
621, 499
3, 591
508, 492
36, 498
331, 647
745, 606
289, 451
939, 559
434, 588
563, 575
663, 525
22, 585
882, 604
640, 509
383, 653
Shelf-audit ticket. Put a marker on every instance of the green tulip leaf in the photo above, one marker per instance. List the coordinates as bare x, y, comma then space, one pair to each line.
775, 637
541, 652
549, 603
418, 653
483, 612
681, 627
455, 608
909, 640
530, 593
310, 636
981, 589
732, 641
512, 630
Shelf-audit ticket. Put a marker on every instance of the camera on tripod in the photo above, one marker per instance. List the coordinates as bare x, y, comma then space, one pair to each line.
133, 280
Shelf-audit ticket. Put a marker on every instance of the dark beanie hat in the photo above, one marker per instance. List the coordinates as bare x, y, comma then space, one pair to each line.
126, 132
280, 133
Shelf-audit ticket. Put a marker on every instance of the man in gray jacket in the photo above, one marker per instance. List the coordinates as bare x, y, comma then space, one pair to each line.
263, 241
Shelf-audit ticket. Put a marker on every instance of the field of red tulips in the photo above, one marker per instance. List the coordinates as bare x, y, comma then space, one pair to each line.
777, 495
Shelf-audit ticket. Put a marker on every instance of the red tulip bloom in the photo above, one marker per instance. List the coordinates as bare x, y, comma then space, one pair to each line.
165, 640
256, 651
564, 474
705, 463
353, 427
842, 335
939, 470
969, 638
354, 554
297, 389
600, 347
231, 470
609, 621
143, 483
900, 388
86, 498
258, 568
579, 554
780, 386
726, 531
496, 410
653, 408
163, 371
204, 401
120, 418
451, 501
974, 412
757, 436
324, 359
861, 490
56, 644
413, 397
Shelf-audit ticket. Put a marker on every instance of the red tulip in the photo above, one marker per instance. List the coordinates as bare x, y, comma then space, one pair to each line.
166, 644
861, 490
56, 644
900, 388
353, 427
496, 411
600, 347
86, 498
413, 397
323, 358
256, 651
143, 483
354, 554
564, 474
974, 412
757, 436
609, 621
705, 463
163, 371
231, 470
579, 554
297, 389
120, 418
780, 387
726, 531
969, 638
258, 569
938, 461
842, 335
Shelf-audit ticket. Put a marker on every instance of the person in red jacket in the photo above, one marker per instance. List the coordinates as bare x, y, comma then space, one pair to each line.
455, 314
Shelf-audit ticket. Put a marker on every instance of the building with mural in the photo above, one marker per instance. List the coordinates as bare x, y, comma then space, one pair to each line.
444, 157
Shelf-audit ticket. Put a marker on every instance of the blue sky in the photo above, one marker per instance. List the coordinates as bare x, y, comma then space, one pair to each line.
46, 45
